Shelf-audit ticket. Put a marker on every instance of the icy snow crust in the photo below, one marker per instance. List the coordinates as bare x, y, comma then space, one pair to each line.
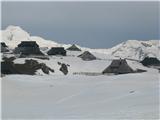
56, 96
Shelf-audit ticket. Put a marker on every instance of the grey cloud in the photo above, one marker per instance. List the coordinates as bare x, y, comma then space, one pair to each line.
85, 22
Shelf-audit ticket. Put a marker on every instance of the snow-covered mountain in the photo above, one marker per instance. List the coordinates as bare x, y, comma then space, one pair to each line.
13, 35
135, 49
132, 49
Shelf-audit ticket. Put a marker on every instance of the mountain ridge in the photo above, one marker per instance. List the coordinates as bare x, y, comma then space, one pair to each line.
133, 49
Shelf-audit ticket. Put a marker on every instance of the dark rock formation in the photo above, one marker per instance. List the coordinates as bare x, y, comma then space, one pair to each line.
29, 67
45, 68
64, 69
4, 47
140, 71
7, 66
59, 63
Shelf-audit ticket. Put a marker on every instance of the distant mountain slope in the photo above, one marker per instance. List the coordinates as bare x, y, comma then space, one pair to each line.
13, 35
135, 49
132, 49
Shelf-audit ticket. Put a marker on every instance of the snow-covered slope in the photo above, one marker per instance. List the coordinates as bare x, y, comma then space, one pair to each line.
132, 49
13, 35
79, 97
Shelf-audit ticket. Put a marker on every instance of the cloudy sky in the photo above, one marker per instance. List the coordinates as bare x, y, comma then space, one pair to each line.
89, 24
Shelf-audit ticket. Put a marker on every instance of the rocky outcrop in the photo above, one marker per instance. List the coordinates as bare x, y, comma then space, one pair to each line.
63, 68
45, 68
4, 47
30, 67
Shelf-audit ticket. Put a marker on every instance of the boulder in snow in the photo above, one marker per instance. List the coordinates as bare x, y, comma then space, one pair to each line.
29, 67
64, 69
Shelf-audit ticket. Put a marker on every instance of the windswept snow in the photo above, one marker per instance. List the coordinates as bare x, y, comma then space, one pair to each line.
81, 97
138, 50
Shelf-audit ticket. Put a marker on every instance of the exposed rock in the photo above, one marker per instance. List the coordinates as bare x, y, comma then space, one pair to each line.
3, 44
45, 68
64, 69
7, 67
4, 47
145, 44
140, 71
29, 67
59, 63
11, 59
68, 65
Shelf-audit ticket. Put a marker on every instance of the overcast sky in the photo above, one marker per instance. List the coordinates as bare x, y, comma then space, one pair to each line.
89, 24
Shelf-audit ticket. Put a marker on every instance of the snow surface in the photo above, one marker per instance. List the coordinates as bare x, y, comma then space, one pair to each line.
131, 96
56, 96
